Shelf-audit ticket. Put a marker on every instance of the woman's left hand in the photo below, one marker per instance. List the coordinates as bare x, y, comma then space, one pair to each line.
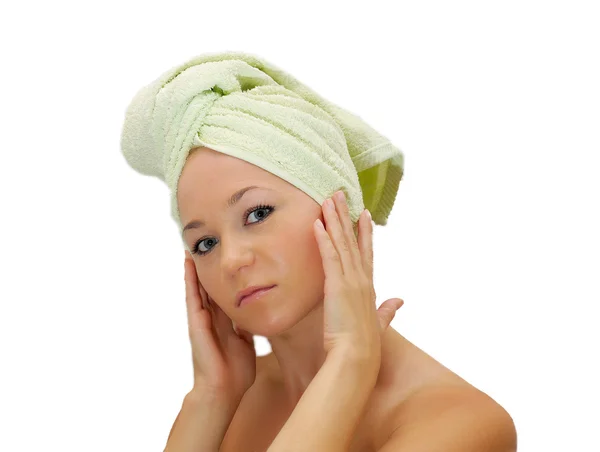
352, 323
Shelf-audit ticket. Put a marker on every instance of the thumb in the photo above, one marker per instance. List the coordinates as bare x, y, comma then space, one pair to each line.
243, 334
387, 311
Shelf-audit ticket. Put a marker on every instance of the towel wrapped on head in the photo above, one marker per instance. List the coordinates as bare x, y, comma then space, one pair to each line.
241, 105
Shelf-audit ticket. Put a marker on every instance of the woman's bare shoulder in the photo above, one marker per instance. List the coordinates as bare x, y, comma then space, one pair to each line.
419, 388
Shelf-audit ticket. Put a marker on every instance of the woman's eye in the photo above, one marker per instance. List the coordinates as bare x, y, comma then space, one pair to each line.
198, 249
260, 217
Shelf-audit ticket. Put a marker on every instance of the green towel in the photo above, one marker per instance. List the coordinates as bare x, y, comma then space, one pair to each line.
240, 104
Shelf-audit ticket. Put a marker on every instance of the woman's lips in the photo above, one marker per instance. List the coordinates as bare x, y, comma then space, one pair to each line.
255, 296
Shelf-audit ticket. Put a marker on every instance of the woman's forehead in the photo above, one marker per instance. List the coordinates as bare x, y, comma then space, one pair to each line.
207, 164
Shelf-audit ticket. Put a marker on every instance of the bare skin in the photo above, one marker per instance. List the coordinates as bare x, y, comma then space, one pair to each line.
281, 250
405, 370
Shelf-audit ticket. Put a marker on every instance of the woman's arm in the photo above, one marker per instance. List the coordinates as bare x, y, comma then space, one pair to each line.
201, 424
330, 409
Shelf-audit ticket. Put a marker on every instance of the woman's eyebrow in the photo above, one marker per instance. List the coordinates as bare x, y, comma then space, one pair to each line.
233, 200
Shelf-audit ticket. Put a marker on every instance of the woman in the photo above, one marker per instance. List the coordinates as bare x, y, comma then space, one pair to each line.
338, 377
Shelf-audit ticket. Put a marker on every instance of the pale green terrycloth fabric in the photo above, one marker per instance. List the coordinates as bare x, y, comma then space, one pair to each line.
240, 104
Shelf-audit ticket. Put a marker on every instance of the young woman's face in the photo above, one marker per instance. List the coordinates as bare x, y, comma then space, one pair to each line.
274, 244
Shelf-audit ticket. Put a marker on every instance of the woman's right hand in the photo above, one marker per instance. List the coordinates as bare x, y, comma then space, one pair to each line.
224, 362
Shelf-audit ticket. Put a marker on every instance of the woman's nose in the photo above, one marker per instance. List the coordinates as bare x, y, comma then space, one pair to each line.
237, 254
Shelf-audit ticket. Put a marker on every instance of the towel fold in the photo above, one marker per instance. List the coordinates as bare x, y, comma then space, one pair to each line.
240, 104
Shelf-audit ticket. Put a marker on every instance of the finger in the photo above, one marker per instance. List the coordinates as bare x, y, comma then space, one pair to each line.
245, 335
387, 312
329, 255
365, 242
193, 300
201, 332
223, 322
199, 318
385, 318
333, 227
197, 285
348, 228
220, 320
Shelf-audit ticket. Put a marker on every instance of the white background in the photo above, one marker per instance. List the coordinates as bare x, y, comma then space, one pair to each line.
493, 242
